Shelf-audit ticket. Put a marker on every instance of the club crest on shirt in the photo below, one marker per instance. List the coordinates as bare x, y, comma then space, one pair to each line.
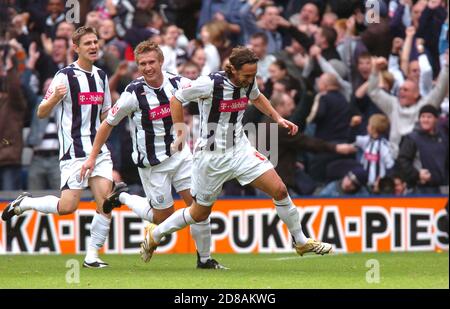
160, 199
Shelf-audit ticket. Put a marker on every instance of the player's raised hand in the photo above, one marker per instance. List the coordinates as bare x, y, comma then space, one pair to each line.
293, 129
60, 91
87, 168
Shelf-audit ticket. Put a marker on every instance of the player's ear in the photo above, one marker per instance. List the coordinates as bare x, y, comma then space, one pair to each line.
76, 48
233, 69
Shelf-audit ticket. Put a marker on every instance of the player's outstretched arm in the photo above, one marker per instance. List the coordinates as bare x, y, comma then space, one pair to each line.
100, 139
266, 108
47, 105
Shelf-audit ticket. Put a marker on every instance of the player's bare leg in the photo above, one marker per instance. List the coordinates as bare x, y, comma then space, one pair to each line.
100, 188
271, 184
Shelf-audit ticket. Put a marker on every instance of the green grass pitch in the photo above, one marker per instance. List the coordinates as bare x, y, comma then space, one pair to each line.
260, 271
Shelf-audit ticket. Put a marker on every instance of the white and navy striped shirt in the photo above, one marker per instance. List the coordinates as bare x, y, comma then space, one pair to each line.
377, 157
222, 106
148, 111
50, 139
78, 113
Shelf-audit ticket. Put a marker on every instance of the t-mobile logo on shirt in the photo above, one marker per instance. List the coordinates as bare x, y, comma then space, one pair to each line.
159, 112
90, 98
230, 106
371, 157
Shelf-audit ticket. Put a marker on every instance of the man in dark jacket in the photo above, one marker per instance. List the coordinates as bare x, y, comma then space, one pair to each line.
423, 156
12, 114
331, 114
289, 146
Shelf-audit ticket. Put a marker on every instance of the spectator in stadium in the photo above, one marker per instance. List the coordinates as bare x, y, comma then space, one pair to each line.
325, 39
277, 71
429, 29
55, 15
405, 14
289, 146
294, 54
350, 48
377, 157
93, 20
335, 67
403, 110
13, 108
65, 30
218, 36
258, 43
169, 35
417, 70
309, 15
212, 54
331, 115
384, 186
48, 65
190, 70
223, 11
268, 22
401, 186
352, 184
43, 173
423, 156
199, 58
329, 19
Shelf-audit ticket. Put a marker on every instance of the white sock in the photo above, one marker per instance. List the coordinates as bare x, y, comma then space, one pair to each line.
173, 223
99, 231
139, 205
46, 204
201, 232
288, 213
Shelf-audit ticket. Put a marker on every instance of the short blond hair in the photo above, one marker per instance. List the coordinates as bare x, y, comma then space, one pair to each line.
148, 46
379, 123
80, 32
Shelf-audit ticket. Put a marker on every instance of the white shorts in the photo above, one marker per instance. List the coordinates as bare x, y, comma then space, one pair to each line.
70, 171
158, 180
211, 169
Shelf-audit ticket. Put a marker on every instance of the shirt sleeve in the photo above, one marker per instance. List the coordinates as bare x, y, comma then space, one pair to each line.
125, 105
361, 141
183, 83
254, 92
59, 79
107, 99
201, 88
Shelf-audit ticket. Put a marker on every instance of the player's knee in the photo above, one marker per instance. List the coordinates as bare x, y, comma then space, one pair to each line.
200, 213
66, 208
281, 192
160, 216
199, 217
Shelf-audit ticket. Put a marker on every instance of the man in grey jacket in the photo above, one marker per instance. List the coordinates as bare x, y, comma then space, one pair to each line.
403, 110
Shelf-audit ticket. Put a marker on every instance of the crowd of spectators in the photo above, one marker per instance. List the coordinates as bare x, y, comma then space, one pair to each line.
366, 83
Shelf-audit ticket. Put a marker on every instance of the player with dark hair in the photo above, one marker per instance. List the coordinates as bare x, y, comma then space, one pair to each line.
223, 151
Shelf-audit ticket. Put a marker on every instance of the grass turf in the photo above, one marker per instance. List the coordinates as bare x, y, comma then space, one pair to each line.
397, 270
